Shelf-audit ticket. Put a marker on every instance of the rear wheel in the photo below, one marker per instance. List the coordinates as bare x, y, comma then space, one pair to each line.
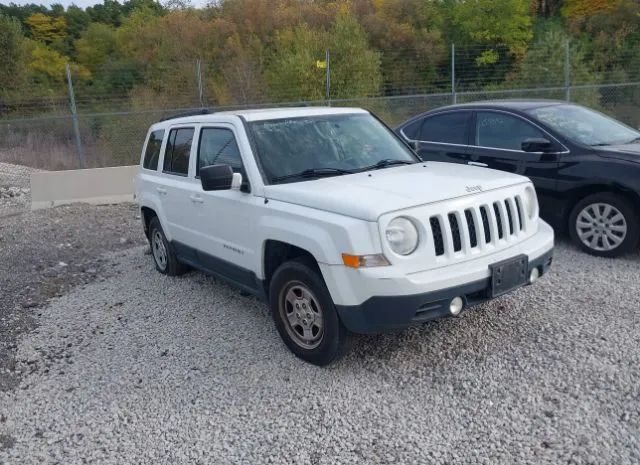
305, 315
163, 254
604, 225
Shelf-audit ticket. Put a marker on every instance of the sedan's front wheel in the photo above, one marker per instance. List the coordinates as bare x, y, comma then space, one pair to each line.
604, 225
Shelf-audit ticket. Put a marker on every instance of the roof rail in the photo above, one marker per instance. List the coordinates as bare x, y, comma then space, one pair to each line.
199, 111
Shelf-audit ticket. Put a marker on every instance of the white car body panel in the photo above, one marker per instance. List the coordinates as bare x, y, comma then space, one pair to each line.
343, 214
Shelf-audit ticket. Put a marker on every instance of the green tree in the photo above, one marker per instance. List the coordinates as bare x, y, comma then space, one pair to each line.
544, 65
47, 29
408, 34
490, 37
355, 68
46, 64
77, 21
292, 72
489, 23
96, 46
296, 70
12, 53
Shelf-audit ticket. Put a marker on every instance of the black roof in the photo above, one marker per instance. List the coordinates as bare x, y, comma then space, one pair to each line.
517, 105
513, 104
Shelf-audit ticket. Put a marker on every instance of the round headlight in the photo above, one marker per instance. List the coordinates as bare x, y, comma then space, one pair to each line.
402, 236
530, 202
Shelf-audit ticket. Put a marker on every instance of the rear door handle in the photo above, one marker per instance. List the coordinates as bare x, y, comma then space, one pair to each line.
196, 198
477, 163
161, 190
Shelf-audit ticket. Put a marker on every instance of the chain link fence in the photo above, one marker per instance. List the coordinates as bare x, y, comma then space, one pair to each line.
97, 126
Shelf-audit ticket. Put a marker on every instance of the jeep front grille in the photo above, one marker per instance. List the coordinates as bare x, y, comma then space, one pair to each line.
477, 226
455, 232
473, 237
436, 230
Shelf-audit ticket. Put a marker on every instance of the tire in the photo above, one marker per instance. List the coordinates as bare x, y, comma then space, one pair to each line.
162, 252
313, 331
604, 225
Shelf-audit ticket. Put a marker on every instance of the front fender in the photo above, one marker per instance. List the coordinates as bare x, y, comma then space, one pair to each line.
324, 235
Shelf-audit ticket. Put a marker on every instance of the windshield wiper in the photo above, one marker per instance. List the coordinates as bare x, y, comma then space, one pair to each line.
387, 162
313, 173
633, 141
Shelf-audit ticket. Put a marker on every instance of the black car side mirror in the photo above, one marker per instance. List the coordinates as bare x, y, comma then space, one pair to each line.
216, 177
537, 144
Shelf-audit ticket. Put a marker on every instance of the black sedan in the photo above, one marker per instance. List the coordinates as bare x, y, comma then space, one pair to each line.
585, 165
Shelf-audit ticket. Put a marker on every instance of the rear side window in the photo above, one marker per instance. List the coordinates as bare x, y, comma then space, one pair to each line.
152, 153
412, 130
176, 155
450, 128
218, 146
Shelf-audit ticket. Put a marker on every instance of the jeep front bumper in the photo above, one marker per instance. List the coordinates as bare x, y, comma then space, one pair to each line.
396, 302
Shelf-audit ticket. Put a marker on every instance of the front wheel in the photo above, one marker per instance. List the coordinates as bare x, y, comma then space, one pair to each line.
604, 225
304, 313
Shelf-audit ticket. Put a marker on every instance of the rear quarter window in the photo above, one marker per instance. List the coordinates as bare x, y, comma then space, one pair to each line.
152, 152
412, 130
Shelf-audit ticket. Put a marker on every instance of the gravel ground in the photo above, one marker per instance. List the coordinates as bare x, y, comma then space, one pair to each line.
45, 253
15, 192
142, 368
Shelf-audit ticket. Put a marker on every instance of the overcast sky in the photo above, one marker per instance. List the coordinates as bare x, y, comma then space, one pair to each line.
80, 3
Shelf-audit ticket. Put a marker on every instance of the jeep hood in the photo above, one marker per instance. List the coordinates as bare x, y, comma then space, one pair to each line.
369, 194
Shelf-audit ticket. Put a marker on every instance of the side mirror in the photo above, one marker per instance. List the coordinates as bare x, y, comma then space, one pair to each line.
218, 178
537, 144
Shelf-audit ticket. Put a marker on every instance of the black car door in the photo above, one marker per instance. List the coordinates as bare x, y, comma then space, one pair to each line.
441, 136
496, 143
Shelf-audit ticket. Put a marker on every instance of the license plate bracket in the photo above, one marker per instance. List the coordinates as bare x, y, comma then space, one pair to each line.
508, 275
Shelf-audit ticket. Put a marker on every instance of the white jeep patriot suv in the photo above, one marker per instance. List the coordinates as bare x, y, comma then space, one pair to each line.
328, 216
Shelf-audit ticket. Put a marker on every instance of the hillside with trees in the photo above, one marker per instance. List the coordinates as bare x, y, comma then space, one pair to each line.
143, 54
134, 62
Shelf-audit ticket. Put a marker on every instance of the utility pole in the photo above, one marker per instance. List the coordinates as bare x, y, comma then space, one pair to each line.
199, 82
328, 71
567, 72
454, 97
74, 117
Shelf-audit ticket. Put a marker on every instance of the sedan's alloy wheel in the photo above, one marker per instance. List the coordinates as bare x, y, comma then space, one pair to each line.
601, 227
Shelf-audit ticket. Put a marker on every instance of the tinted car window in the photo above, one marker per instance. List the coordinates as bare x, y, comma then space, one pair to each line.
502, 131
412, 130
218, 146
152, 153
176, 155
450, 128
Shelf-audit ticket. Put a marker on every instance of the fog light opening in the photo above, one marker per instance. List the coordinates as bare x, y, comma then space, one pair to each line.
534, 275
455, 306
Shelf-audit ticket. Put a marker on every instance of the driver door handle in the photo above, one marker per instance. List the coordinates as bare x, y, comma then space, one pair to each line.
477, 163
196, 198
161, 190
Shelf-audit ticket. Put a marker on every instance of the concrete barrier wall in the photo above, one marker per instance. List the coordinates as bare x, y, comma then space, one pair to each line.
95, 186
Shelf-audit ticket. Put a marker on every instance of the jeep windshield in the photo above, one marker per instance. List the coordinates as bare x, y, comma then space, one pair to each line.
311, 147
